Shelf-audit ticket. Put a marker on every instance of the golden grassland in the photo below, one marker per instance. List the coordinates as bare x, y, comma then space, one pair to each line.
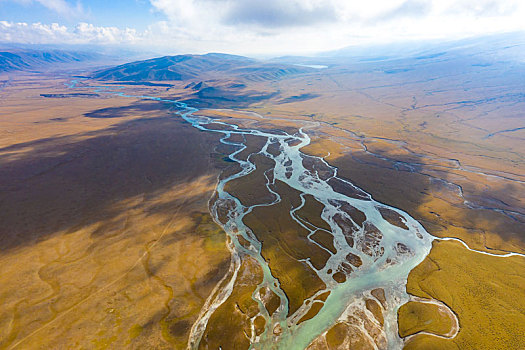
230, 325
243, 188
486, 321
409, 150
433, 198
385, 151
484, 291
415, 317
284, 243
107, 241
116, 248
421, 149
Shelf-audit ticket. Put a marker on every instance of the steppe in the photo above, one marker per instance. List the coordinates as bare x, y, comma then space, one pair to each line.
107, 236
107, 240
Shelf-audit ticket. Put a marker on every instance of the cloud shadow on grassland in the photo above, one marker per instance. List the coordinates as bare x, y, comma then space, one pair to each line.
404, 182
63, 183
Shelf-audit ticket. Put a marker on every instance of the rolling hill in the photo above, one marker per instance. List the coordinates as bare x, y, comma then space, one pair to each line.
192, 67
13, 59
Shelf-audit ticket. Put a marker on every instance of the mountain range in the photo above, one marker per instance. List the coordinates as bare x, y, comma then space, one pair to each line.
194, 67
12, 59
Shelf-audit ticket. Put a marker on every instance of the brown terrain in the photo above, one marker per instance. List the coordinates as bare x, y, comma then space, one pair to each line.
444, 162
107, 240
440, 155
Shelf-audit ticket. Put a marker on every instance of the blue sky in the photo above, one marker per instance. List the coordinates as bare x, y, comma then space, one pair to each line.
120, 13
252, 26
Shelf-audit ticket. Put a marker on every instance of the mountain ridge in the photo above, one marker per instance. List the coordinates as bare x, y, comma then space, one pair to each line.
197, 67
27, 59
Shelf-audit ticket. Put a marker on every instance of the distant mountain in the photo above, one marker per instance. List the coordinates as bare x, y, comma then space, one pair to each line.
12, 59
194, 67
426, 60
510, 46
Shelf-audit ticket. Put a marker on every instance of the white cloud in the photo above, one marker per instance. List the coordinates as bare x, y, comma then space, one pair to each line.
302, 26
63, 7
283, 26
82, 33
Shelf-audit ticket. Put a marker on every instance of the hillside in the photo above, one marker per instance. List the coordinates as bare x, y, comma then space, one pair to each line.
188, 67
26, 59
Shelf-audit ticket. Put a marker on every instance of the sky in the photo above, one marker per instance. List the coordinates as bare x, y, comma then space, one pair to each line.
256, 27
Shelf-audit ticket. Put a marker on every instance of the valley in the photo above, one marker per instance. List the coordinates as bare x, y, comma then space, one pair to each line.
362, 204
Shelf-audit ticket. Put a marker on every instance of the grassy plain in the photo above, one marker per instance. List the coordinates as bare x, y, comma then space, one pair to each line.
86, 177
415, 317
230, 325
106, 238
484, 291
285, 246
436, 145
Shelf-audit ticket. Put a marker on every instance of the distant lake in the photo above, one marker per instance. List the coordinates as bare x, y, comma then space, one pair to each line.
315, 66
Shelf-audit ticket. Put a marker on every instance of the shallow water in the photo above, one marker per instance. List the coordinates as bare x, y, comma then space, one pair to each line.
314, 66
386, 260
384, 267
